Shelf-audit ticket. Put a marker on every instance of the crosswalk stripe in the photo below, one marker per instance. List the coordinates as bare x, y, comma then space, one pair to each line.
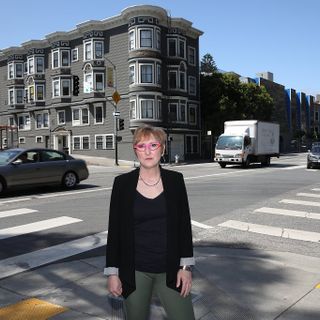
200, 225
315, 189
27, 261
292, 213
294, 167
272, 231
36, 226
16, 212
311, 195
300, 202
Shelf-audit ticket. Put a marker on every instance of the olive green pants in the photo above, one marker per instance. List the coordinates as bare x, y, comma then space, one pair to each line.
137, 305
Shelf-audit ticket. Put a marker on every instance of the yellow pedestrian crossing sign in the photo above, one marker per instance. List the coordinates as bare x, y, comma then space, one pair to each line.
116, 97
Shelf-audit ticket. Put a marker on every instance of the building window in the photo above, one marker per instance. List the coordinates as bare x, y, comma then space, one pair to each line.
159, 116
61, 117
56, 88
98, 49
31, 65
55, 59
80, 116
74, 54
158, 39
24, 122
192, 86
172, 47
132, 40
192, 56
31, 93
104, 141
133, 110
182, 77
39, 139
147, 111
65, 58
19, 96
22, 140
146, 38
11, 96
39, 64
177, 112
158, 74
146, 73
66, 87
93, 50
10, 71
42, 120
39, 92
172, 79
131, 74
19, 70
192, 114
192, 144
98, 114
99, 81
81, 143
182, 48
173, 112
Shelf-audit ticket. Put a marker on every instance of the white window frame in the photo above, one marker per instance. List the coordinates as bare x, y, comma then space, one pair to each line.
177, 41
180, 105
153, 109
80, 121
58, 117
158, 76
104, 141
150, 31
92, 45
72, 54
54, 81
16, 95
11, 72
132, 75
53, 53
67, 51
192, 83
95, 115
94, 49
26, 122
133, 109
81, 142
37, 86
192, 49
11, 96
39, 139
95, 81
64, 80
158, 39
195, 108
141, 65
22, 140
44, 122
31, 66
11, 122
37, 58
132, 39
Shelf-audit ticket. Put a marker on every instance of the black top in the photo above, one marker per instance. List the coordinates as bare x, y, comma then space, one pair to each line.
150, 233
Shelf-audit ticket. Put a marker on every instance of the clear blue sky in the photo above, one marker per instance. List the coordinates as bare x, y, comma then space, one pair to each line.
244, 36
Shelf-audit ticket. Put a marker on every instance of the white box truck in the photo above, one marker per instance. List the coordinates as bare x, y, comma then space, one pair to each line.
247, 141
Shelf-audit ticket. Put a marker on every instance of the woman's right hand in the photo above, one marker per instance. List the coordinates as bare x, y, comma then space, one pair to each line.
114, 285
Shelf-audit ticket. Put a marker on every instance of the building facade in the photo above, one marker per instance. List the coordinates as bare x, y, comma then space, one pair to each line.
70, 90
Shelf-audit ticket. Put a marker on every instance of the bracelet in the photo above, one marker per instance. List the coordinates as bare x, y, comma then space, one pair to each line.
186, 268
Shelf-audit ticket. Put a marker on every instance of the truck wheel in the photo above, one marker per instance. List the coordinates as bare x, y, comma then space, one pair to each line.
222, 164
265, 162
246, 163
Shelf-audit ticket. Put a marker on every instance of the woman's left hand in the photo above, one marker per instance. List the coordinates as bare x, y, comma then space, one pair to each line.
184, 278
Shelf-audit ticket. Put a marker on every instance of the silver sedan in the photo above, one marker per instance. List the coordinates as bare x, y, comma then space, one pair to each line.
31, 167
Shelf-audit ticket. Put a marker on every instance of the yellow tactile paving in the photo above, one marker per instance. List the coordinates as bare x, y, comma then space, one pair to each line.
30, 309
318, 286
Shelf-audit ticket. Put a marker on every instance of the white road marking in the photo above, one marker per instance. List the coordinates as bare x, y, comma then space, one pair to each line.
292, 213
294, 167
24, 262
215, 174
14, 200
315, 189
36, 226
16, 212
311, 195
273, 231
300, 202
200, 225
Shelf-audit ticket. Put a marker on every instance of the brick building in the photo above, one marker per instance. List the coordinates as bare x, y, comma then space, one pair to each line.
60, 91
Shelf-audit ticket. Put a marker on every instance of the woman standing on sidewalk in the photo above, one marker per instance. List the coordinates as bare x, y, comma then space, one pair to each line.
149, 245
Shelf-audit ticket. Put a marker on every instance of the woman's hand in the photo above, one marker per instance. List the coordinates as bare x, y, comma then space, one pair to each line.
114, 285
184, 278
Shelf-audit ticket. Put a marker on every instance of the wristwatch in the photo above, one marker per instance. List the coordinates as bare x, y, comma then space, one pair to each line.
186, 268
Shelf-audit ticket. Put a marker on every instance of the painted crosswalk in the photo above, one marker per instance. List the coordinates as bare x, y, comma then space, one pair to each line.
283, 232
16, 212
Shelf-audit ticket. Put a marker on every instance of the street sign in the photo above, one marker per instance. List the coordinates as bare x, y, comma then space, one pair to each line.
116, 113
116, 97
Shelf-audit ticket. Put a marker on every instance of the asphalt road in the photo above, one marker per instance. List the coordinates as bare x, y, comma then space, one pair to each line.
217, 196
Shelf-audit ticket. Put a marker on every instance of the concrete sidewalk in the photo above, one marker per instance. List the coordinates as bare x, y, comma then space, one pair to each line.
229, 284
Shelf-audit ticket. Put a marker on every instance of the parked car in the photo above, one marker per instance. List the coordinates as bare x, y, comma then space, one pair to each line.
31, 167
313, 158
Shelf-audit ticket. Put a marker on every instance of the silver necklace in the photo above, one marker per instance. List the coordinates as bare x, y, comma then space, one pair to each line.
148, 184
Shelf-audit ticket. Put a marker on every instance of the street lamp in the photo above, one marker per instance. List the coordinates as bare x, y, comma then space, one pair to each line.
116, 98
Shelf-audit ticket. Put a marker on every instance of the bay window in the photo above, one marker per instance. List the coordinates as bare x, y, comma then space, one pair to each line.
80, 116
146, 73
147, 111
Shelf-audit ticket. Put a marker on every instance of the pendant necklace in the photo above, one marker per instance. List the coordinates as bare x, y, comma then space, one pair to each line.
150, 184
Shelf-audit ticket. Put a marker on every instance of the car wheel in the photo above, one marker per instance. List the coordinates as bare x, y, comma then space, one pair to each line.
69, 180
2, 186
222, 164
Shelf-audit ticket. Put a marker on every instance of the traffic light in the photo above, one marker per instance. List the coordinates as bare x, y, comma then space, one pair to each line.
120, 124
75, 85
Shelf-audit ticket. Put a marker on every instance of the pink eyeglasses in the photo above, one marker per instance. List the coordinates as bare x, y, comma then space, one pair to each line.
152, 146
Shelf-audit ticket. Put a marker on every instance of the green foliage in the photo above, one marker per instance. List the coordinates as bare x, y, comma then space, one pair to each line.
224, 97
208, 65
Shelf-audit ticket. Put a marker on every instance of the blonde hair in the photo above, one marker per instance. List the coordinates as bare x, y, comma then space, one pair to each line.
145, 131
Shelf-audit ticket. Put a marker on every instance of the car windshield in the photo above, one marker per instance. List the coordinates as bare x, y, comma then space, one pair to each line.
229, 143
315, 149
7, 155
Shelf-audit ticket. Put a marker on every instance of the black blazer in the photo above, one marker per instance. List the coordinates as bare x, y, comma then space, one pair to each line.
120, 245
